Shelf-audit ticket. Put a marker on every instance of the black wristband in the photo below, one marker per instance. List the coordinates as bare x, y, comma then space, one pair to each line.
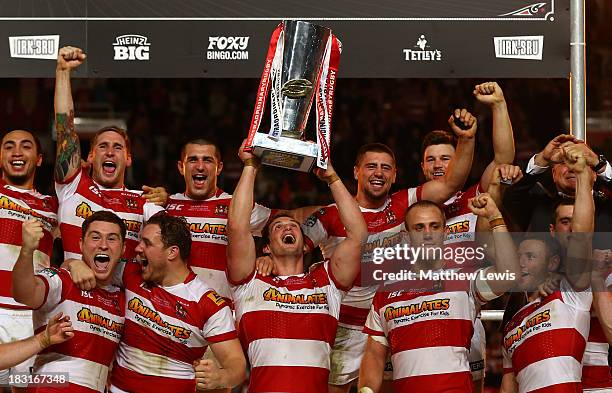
602, 163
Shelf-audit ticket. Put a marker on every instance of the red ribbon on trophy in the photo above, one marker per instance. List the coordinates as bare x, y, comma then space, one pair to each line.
297, 74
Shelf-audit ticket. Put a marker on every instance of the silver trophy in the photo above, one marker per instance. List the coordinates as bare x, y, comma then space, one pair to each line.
295, 78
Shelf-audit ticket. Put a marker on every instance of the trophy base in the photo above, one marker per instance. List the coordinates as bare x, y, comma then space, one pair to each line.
288, 153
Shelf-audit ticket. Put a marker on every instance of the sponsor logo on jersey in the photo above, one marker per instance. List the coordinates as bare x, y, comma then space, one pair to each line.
388, 241
14, 207
90, 317
533, 322
35, 47
523, 47
458, 227
137, 306
214, 296
274, 295
131, 47
422, 51
49, 272
215, 229
83, 210
416, 308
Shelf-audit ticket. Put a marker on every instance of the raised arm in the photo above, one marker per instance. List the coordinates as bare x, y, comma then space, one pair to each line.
502, 176
241, 251
506, 258
27, 288
346, 259
68, 152
579, 247
440, 190
491, 94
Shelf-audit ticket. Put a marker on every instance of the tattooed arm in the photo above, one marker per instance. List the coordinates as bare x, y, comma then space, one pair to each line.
68, 153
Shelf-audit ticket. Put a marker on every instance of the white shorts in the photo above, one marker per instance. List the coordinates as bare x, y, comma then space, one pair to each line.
345, 358
15, 325
478, 349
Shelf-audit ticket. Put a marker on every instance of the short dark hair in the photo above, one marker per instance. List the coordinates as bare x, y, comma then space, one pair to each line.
36, 140
105, 216
373, 147
552, 245
265, 233
438, 137
425, 203
115, 129
201, 142
174, 232
562, 202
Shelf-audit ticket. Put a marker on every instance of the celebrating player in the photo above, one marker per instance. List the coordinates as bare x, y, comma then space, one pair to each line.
427, 323
98, 314
375, 172
80, 192
288, 322
20, 155
544, 341
437, 151
172, 316
205, 206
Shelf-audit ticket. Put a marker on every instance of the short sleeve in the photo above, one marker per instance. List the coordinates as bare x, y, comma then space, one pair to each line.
415, 194
373, 325
259, 217
480, 288
219, 325
57, 282
150, 209
580, 300
507, 361
66, 189
316, 227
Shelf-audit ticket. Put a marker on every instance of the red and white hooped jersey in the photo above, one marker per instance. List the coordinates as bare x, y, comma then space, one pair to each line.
208, 222
385, 225
166, 330
461, 223
79, 197
545, 340
97, 317
16, 206
428, 325
595, 367
287, 328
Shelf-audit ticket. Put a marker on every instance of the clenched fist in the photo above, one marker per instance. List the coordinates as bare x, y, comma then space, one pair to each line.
468, 121
70, 58
484, 206
208, 375
489, 93
31, 233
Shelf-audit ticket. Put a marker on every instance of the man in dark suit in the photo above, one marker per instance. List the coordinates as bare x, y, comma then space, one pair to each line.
532, 203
